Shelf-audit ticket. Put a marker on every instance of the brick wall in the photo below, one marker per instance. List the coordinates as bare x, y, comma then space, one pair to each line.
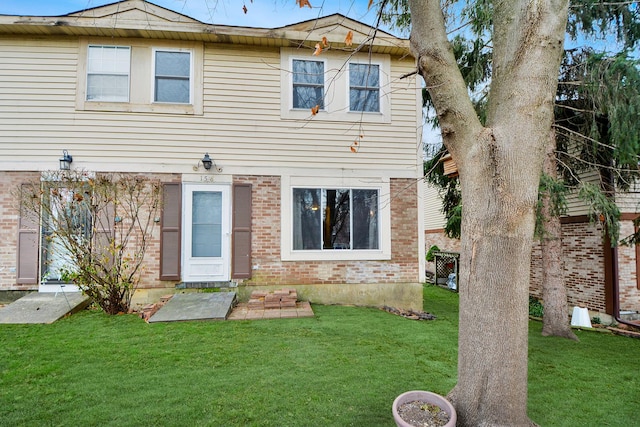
583, 255
269, 269
149, 278
627, 271
9, 205
439, 239
583, 266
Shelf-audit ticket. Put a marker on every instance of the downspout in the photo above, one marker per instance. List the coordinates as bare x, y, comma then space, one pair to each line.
616, 288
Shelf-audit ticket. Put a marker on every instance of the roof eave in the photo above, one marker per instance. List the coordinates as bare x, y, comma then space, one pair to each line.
195, 31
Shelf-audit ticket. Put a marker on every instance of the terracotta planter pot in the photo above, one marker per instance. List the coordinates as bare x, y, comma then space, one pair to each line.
423, 396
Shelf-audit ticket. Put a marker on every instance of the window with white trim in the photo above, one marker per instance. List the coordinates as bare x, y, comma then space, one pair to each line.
172, 77
108, 70
364, 87
308, 83
336, 87
140, 76
335, 219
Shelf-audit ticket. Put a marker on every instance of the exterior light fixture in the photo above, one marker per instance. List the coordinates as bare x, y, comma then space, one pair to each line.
65, 161
206, 161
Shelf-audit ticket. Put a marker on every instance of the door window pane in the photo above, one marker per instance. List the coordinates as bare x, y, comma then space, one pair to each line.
206, 231
66, 219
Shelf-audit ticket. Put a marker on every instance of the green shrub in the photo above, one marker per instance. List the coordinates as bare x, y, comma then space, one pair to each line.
536, 309
431, 253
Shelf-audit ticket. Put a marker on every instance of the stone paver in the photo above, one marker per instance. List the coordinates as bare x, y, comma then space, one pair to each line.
243, 312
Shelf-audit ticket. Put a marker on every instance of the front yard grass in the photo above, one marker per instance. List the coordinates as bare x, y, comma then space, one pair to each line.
343, 367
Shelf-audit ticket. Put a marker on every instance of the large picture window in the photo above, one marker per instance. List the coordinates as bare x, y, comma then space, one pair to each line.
308, 84
108, 73
335, 219
364, 87
172, 77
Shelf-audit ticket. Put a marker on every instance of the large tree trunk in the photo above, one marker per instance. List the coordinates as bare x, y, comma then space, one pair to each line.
500, 167
555, 321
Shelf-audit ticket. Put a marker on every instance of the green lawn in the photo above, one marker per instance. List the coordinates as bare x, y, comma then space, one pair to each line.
343, 367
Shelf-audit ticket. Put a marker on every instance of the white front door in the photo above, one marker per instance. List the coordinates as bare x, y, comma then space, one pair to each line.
206, 244
55, 257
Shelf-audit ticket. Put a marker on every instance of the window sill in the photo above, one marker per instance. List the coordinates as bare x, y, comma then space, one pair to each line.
337, 255
125, 107
322, 115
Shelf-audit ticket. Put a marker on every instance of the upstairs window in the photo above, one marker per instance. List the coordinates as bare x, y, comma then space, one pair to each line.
172, 75
335, 219
364, 87
108, 73
308, 84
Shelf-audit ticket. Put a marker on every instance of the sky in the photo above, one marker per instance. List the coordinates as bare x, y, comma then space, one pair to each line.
260, 13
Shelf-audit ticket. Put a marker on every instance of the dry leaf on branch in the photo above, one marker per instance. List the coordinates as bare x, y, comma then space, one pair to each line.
314, 110
244, 9
303, 3
370, 4
325, 43
348, 40
318, 50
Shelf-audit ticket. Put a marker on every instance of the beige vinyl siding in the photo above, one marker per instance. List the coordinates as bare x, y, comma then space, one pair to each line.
240, 126
575, 206
629, 202
433, 217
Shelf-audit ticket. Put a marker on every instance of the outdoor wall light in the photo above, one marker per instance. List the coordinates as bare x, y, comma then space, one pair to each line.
207, 162
65, 161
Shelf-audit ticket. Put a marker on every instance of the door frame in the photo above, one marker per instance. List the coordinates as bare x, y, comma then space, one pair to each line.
225, 259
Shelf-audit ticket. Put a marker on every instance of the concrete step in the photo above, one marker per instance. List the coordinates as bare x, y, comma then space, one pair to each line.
43, 307
196, 306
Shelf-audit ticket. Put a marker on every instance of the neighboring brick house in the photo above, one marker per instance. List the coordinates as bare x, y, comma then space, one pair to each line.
588, 256
136, 88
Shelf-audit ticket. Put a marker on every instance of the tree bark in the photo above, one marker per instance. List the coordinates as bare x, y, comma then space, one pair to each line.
555, 320
500, 167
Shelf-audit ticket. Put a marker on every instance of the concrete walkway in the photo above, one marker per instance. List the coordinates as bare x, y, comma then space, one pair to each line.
49, 307
43, 307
